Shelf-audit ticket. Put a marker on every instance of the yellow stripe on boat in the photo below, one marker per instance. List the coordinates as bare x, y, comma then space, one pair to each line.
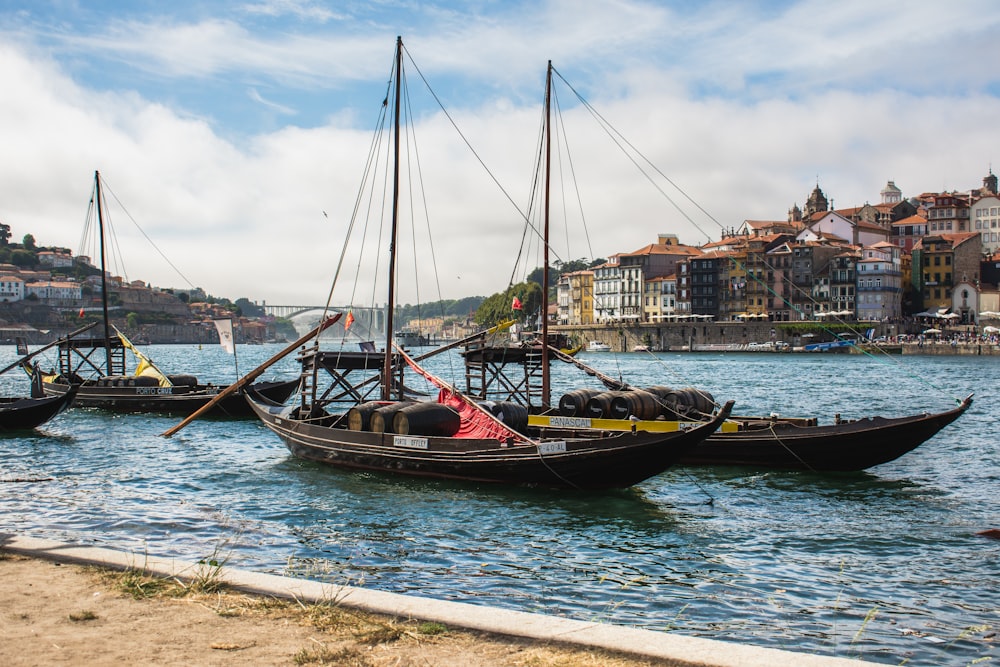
650, 426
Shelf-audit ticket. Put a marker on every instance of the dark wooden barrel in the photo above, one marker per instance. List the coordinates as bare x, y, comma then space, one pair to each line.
659, 390
574, 403
512, 414
381, 418
183, 380
705, 401
359, 418
637, 403
432, 419
599, 406
673, 404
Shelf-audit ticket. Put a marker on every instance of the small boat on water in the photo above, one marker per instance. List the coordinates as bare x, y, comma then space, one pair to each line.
21, 413
598, 346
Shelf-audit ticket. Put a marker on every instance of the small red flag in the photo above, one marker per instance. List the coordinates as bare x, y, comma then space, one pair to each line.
516, 305
349, 320
81, 312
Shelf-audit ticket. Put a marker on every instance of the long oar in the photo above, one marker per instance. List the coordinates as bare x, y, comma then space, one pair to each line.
252, 375
46, 347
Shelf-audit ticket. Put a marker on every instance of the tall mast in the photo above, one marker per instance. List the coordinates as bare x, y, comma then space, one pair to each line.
109, 370
387, 365
545, 252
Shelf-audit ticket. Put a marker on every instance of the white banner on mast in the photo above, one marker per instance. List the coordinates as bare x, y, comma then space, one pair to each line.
225, 329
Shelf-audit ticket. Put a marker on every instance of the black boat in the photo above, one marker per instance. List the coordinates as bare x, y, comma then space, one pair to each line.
95, 367
762, 442
803, 444
21, 413
457, 438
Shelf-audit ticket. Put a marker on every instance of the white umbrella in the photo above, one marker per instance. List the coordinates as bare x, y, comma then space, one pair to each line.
989, 314
991, 330
932, 331
951, 316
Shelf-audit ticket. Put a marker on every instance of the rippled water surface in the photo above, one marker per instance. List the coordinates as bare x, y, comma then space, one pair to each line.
883, 564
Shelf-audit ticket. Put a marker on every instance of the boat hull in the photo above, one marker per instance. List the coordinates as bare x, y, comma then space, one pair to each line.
21, 414
848, 446
613, 460
180, 400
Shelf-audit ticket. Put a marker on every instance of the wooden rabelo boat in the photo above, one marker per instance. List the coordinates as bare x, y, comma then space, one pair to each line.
94, 367
803, 444
761, 442
22, 413
457, 437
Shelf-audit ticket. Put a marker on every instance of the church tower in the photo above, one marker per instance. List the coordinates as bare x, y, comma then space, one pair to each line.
794, 214
990, 183
816, 203
891, 194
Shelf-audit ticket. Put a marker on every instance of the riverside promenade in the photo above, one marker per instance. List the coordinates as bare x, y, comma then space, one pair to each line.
634, 646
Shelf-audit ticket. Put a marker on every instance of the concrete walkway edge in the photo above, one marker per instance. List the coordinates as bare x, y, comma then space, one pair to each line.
670, 649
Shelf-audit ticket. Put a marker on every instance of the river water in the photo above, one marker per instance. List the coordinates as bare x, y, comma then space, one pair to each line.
884, 564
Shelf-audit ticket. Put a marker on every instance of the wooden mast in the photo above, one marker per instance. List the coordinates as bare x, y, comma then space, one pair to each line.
109, 370
390, 307
545, 267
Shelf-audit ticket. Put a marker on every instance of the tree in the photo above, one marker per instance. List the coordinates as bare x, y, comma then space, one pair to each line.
28, 242
4, 234
498, 307
23, 258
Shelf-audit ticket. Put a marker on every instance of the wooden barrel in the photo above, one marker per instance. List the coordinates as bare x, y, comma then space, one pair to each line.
512, 414
696, 400
706, 402
574, 403
659, 390
381, 418
599, 406
183, 380
636, 403
673, 404
426, 418
359, 418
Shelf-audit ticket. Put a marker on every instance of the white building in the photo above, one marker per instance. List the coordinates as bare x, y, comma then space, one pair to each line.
607, 292
52, 290
986, 221
54, 259
11, 289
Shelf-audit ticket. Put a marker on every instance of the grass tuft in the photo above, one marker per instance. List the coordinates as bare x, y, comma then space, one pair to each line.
83, 616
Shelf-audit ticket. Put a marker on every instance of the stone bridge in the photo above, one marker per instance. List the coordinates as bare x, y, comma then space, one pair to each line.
369, 323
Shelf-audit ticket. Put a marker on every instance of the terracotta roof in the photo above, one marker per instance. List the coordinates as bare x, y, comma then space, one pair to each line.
912, 220
660, 249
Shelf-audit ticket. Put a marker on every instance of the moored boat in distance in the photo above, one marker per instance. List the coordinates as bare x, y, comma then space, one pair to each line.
598, 346
94, 367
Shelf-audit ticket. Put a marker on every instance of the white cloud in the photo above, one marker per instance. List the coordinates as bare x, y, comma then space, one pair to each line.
241, 214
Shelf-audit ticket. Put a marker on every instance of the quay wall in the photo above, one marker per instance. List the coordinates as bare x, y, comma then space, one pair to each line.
679, 336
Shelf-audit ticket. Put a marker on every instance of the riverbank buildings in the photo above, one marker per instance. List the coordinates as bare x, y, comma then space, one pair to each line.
874, 262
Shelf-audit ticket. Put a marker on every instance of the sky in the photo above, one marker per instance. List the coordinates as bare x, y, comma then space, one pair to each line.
233, 135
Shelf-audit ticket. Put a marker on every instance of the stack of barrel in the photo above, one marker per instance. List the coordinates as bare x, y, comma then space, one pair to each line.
426, 418
646, 404
404, 418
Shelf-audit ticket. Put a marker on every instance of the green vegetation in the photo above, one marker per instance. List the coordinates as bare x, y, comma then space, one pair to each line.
497, 308
446, 308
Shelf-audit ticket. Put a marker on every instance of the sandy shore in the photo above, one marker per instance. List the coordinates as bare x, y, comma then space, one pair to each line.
65, 614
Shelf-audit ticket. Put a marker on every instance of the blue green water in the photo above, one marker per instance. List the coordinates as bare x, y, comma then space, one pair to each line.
883, 564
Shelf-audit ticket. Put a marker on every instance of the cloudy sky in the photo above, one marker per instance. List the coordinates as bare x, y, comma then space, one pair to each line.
235, 133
